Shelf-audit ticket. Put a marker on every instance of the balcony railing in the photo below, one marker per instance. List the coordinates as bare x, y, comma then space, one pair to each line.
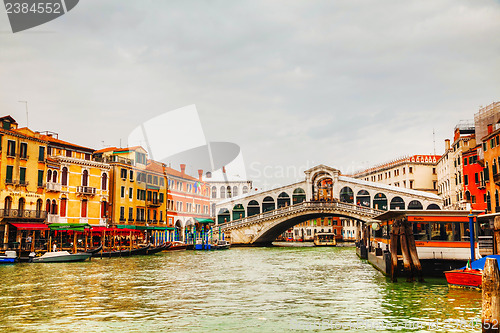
86, 190
114, 159
53, 218
153, 203
53, 187
23, 214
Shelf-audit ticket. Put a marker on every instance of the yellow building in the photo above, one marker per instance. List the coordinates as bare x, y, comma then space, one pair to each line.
138, 193
21, 186
77, 187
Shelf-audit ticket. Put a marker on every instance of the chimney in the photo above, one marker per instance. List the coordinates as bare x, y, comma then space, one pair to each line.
223, 169
447, 144
490, 128
200, 174
183, 169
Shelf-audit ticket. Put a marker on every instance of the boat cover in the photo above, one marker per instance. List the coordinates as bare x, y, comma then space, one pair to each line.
479, 264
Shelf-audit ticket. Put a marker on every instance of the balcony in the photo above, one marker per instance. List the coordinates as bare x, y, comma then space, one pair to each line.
481, 185
53, 187
86, 190
496, 178
114, 159
22, 214
53, 218
153, 203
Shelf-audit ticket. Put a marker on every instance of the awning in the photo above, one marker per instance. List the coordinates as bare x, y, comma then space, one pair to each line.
143, 227
204, 220
124, 226
30, 226
69, 226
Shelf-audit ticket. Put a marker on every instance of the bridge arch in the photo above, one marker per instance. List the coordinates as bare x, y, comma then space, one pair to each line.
238, 212
298, 196
380, 201
268, 204
223, 216
433, 206
283, 200
346, 195
363, 198
253, 208
397, 203
415, 204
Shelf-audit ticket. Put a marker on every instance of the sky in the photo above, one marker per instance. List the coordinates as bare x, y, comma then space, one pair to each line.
345, 83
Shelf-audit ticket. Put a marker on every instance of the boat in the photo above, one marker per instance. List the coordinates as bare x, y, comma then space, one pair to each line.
176, 246
325, 239
470, 276
159, 248
10, 257
122, 253
97, 249
62, 256
221, 245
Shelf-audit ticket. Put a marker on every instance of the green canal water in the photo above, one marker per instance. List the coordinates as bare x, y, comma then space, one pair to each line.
279, 289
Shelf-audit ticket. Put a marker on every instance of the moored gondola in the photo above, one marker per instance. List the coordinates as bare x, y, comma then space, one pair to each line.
159, 248
122, 253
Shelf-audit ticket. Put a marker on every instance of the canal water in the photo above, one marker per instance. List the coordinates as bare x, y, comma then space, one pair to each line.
278, 289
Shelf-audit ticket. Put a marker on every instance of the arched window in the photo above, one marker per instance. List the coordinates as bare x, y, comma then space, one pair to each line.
397, 203
104, 209
245, 189
49, 176
222, 192
64, 176
214, 192
415, 204
8, 205
62, 210
298, 196
235, 191
53, 210
229, 192
433, 206
21, 205
54, 176
238, 212
39, 207
363, 198
85, 178
84, 208
268, 204
380, 201
47, 206
104, 181
283, 200
253, 208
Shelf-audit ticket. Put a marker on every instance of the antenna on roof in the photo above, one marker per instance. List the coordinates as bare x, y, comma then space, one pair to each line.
120, 142
26, 104
434, 140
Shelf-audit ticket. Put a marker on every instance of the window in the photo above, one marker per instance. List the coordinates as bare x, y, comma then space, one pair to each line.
465, 161
140, 158
123, 173
476, 178
150, 179
84, 208
130, 192
41, 154
155, 180
40, 178
411, 183
69, 153
87, 157
410, 170
11, 148
162, 182
23, 151
485, 146
130, 214
131, 175
85, 178
162, 197
22, 176
466, 180
122, 213
62, 209
8, 175
64, 176
104, 181
122, 192
492, 143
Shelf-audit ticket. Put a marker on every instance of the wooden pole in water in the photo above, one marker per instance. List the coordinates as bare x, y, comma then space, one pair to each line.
405, 252
413, 251
496, 232
394, 250
74, 241
491, 297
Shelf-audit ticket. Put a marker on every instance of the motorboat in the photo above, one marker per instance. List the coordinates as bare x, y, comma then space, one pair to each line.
470, 276
10, 257
62, 256
221, 245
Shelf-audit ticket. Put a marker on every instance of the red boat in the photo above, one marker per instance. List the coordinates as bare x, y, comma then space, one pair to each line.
176, 246
467, 278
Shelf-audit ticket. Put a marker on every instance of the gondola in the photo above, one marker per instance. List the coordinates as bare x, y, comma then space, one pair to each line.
159, 248
122, 253
177, 246
97, 249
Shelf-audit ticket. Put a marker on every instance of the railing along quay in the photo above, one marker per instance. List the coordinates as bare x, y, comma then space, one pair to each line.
305, 205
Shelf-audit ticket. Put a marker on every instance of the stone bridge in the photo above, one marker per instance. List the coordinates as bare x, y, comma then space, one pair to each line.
254, 218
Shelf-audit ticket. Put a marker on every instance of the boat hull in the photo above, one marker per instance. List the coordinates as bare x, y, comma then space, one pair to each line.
464, 278
66, 258
7, 261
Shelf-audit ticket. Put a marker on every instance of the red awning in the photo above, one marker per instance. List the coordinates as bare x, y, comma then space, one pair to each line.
30, 226
99, 229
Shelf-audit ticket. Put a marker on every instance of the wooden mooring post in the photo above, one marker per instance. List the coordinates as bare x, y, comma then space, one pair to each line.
401, 237
394, 237
491, 297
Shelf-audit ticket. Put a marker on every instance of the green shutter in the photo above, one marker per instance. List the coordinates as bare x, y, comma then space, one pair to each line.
8, 177
40, 178
22, 175
41, 154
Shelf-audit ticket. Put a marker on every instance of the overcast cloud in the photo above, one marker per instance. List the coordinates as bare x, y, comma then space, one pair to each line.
294, 83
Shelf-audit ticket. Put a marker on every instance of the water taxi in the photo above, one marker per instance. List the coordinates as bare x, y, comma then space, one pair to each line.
325, 239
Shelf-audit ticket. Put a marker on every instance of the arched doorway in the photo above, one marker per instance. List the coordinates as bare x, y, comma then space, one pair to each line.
363, 198
238, 212
268, 204
283, 200
397, 203
179, 233
298, 196
323, 190
253, 208
380, 201
415, 204
347, 195
223, 216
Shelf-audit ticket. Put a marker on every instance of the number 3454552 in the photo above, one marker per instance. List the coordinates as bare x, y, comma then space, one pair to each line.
35, 8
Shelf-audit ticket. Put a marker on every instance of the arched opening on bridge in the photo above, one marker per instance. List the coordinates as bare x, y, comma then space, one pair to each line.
238, 212
283, 200
415, 204
298, 196
179, 232
267, 204
323, 190
223, 216
397, 203
363, 199
380, 201
253, 208
433, 207
347, 195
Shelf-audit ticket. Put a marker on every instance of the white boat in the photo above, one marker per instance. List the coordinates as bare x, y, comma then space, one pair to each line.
62, 256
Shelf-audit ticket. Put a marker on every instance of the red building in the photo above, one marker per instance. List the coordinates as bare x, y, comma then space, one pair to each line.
474, 185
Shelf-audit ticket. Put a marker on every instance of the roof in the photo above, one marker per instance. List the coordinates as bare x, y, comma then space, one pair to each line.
119, 150
390, 187
175, 173
392, 214
154, 166
429, 159
9, 118
64, 143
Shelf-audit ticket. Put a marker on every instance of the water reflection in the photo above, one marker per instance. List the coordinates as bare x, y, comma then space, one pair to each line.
246, 289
